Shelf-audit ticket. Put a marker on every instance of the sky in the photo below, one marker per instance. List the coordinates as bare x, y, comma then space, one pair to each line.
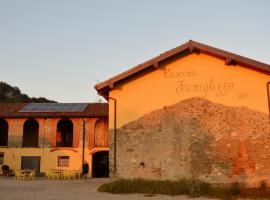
59, 49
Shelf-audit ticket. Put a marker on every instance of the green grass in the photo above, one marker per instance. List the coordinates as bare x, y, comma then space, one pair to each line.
192, 188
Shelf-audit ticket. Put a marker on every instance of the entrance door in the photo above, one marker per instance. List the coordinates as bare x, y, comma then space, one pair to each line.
100, 164
31, 162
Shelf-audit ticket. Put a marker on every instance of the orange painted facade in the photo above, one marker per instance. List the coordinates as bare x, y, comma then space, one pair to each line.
47, 150
192, 112
196, 75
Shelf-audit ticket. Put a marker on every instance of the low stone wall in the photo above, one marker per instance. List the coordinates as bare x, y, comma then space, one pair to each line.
195, 138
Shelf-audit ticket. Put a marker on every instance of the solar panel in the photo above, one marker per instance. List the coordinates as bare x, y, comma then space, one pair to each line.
54, 107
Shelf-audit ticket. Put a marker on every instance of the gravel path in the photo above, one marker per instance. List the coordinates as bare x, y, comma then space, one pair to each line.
67, 190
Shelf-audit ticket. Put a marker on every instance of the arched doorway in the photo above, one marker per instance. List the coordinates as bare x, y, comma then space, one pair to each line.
64, 135
100, 164
30, 133
3, 132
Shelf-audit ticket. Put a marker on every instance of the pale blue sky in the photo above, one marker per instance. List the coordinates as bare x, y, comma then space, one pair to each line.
61, 48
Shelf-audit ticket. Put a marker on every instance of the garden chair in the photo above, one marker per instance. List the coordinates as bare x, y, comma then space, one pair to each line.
67, 175
77, 173
31, 175
54, 174
20, 175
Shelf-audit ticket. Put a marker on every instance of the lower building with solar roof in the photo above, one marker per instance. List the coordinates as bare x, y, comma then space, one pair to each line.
54, 136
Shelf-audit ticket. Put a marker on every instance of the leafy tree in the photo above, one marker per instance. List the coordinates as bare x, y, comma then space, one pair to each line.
9, 94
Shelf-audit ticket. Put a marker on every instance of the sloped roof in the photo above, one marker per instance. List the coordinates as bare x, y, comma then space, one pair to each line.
12, 110
190, 47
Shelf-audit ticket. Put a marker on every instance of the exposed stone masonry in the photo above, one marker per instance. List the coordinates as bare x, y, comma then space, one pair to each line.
195, 138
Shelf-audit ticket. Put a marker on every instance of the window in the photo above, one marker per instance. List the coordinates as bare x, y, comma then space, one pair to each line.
101, 133
63, 161
3, 132
1, 158
31, 163
30, 133
64, 133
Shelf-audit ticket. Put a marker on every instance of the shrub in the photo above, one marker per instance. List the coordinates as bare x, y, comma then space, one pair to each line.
189, 187
5, 170
182, 187
235, 189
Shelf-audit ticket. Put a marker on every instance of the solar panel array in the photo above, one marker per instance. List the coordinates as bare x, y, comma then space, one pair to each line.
54, 107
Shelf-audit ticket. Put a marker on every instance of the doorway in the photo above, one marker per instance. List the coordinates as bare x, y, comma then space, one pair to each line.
31, 163
100, 164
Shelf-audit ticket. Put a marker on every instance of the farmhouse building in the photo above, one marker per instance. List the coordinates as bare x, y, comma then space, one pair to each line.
192, 112
45, 136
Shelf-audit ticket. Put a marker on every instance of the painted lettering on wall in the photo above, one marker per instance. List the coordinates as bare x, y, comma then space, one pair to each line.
242, 96
212, 86
189, 81
168, 73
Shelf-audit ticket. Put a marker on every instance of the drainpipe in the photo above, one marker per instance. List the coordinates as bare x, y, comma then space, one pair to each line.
268, 97
44, 134
83, 145
114, 130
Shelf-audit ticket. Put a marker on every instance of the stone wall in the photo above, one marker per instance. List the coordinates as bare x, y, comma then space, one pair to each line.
195, 138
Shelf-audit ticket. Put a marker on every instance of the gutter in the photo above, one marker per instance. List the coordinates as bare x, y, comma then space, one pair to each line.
114, 131
83, 140
115, 135
268, 97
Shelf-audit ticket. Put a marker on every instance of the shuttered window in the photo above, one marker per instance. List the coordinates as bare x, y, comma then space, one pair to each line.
101, 133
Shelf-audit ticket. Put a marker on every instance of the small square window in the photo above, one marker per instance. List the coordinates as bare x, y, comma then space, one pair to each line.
1, 158
63, 161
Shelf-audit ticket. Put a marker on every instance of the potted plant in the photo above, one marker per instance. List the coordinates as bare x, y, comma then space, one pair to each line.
5, 170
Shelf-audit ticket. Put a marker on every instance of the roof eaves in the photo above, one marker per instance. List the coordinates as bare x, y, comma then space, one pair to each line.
138, 68
192, 46
235, 57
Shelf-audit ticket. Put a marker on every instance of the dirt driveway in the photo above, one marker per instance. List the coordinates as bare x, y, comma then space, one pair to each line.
66, 190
